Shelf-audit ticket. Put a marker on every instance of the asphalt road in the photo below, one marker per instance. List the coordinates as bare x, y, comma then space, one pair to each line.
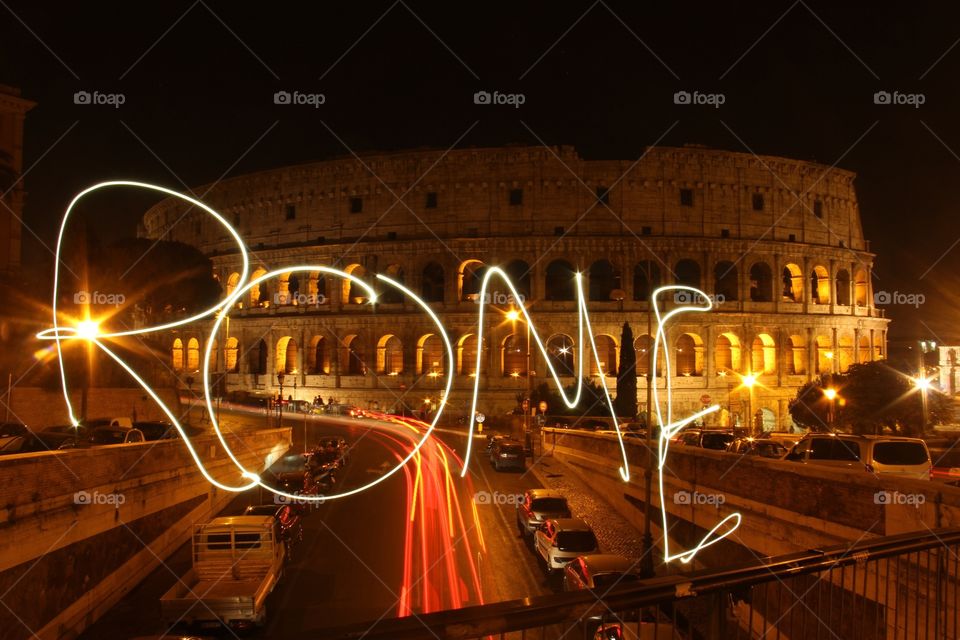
415, 542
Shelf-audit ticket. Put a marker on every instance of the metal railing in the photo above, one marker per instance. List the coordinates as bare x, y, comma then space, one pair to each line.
902, 586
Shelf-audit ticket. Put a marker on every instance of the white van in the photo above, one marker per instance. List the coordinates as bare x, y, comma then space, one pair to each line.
882, 455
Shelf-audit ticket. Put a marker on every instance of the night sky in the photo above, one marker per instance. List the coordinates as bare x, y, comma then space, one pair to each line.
798, 80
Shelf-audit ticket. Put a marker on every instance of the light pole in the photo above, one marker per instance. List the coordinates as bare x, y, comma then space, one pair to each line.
923, 384
831, 395
280, 377
749, 381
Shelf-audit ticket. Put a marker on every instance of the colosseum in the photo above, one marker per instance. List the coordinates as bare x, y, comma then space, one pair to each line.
777, 243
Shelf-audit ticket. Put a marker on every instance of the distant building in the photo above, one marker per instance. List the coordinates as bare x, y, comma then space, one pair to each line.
13, 110
777, 243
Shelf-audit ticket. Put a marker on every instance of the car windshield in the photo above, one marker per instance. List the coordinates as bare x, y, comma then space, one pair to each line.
576, 541
604, 580
549, 505
716, 440
511, 448
896, 452
769, 450
107, 436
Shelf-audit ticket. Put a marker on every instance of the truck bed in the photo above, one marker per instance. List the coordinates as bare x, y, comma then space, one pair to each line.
191, 600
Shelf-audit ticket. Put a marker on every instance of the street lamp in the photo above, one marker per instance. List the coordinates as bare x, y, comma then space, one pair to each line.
749, 381
280, 377
831, 395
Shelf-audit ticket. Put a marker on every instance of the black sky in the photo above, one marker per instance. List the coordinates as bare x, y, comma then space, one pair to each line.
799, 80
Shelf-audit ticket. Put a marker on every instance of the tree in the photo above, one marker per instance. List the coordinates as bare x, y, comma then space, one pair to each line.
871, 397
593, 401
626, 401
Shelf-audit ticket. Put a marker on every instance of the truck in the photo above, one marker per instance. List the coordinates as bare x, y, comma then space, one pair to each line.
237, 562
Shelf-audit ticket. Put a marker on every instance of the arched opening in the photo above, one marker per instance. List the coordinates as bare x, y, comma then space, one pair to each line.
286, 357
467, 355
470, 276
725, 281
430, 355
646, 280
825, 355
860, 287
351, 291
689, 355
212, 358
259, 293
258, 359
843, 287
519, 273
293, 289
560, 281
232, 280
318, 357
607, 354
193, 354
390, 294
820, 285
230, 355
643, 345
176, 354
761, 282
796, 355
513, 356
316, 289
352, 358
688, 273
792, 283
844, 352
560, 354
763, 355
604, 279
432, 284
728, 352
390, 355
864, 348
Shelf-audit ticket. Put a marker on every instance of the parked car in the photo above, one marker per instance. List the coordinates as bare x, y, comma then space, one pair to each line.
598, 571
716, 439
8, 429
560, 540
93, 423
80, 432
508, 454
492, 440
37, 442
157, 430
757, 447
289, 520
882, 455
115, 435
539, 505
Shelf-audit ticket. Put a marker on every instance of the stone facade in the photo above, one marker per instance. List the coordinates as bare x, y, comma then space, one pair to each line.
776, 243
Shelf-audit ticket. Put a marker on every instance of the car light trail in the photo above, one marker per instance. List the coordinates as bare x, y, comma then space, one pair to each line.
91, 332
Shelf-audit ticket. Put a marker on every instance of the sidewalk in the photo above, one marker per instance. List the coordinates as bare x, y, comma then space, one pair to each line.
614, 533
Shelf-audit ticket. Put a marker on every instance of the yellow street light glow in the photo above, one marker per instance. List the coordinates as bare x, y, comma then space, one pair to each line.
749, 380
828, 355
90, 331
830, 394
922, 384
